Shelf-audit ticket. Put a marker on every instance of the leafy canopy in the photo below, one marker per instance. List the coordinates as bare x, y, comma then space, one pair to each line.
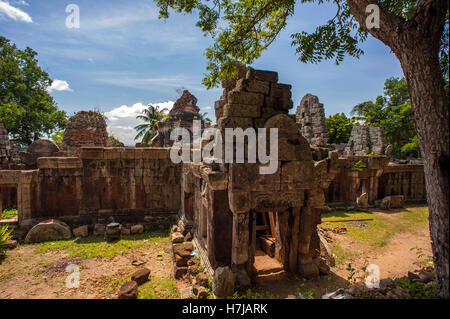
243, 29
26, 108
393, 113
339, 128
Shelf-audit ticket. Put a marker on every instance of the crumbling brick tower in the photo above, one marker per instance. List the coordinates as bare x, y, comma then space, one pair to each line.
222, 203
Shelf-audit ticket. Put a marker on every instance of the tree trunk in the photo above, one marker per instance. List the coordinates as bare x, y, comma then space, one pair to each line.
431, 117
416, 43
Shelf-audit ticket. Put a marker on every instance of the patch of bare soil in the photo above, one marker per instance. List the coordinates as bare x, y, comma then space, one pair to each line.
25, 274
404, 252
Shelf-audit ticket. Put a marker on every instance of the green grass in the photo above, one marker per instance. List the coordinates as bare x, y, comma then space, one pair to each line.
155, 288
96, 246
9, 213
382, 228
342, 255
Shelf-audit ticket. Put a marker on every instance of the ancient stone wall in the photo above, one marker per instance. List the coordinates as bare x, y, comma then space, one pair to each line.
310, 114
133, 184
364, 140
84, 129
9, 155
406, 180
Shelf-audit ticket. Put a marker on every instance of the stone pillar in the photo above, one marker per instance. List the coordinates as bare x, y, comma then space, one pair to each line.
240, 248
282, 236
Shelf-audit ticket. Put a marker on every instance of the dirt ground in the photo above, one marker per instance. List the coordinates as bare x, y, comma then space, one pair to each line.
405, 251
27, 274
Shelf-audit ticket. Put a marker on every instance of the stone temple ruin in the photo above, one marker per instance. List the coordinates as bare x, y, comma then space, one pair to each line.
240, 219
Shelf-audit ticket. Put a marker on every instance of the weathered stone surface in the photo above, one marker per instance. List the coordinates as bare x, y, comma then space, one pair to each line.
223, 282
248, 98
202, 280
84, 129
177, 237
99, 229
363, 200
241, 110
137, 229
187, 293
48, 230
262, 75
202, 293
279, 97
256, 86
364, 140
43, 146
125, 231
179, 272
128, 290
188, 236
310, 115
182, 115
180, 261
189, 246
141, 276
81, 231
180, 251
393, 201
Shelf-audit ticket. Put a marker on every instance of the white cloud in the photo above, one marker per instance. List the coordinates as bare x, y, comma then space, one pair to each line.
59, 85
122, 120
14, 13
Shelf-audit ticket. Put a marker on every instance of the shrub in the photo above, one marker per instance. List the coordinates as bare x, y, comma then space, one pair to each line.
5, 234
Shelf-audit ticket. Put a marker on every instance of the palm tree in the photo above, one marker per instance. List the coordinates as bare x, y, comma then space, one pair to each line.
152, 115
204, 117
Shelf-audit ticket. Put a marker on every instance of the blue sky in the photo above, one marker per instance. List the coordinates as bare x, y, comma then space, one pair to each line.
123, 57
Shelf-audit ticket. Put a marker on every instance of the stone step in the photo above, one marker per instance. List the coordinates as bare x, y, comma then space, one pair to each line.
264, 264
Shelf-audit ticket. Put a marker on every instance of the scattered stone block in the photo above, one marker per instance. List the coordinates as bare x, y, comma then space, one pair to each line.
99, 229
202, 293
177, 237
180, 261
189, 246
52, 229
363, 201
202, 280
82, 231
129, 290
188, 236
137, 229
223, 282
141, 276
179, 272
125, 231
187, 293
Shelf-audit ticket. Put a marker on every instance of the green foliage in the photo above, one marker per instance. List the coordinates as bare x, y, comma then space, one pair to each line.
359, 165
351, 278
339, 128
204, 117
418, 289
58, 137
9, 213
5, 235
393, 113
26, 108
243, 29
151, 116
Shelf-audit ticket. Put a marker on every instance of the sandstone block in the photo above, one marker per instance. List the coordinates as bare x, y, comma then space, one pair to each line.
81, 231
128, 290
52, 229
249, 98
242, 110
141, 276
